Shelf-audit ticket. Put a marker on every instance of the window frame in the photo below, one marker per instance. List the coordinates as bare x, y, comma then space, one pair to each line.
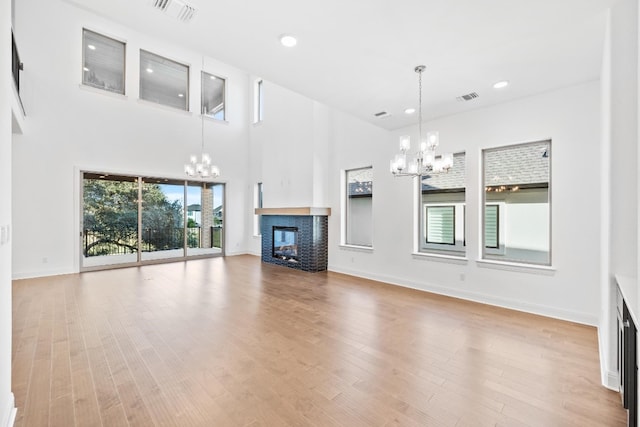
346, 211
224, 95
454, 193
124, 62
187, 101
488, 254
258, 101
258, 201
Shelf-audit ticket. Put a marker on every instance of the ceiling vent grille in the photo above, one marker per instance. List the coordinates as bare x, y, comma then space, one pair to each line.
186, 12
161, 4
178, 9
382, 114
468, 97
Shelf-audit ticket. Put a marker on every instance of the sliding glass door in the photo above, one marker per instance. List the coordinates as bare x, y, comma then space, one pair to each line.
162, 232
205, 210
110, 220
133, 220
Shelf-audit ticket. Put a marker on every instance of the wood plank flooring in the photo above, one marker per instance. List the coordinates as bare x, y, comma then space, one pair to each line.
234, 342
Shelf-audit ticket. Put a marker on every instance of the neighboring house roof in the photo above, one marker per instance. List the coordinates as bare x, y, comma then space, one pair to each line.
519, 165
522, 165
452, 180
194, 208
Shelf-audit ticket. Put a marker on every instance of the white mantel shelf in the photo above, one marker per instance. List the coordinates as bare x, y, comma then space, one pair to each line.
302, 211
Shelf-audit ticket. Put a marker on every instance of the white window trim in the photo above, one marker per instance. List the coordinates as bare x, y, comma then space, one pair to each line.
177, 61
124, 77
515, 265
258, 93
343, 211
256, 204
224, 90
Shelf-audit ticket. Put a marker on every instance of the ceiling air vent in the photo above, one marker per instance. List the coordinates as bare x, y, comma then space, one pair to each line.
161, 4
178, 9
468, 97
382, 114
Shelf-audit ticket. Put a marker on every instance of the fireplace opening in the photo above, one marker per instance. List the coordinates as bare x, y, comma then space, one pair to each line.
285, 243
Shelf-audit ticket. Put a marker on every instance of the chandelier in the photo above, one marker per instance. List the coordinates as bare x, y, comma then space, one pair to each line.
201, 167
424, 161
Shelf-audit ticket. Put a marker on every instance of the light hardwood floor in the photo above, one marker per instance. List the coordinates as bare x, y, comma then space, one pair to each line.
234, 342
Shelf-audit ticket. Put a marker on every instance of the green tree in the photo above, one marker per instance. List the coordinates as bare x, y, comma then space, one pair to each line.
111, 218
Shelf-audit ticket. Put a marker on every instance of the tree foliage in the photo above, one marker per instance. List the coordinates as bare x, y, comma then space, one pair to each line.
111, 218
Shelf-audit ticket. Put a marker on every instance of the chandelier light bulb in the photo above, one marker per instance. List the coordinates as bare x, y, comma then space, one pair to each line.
405, 143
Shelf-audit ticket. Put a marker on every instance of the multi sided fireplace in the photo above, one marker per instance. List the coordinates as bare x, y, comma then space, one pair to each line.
285, 243
295, 237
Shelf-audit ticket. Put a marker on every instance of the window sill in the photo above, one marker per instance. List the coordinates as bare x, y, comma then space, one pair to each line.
258, 123
257, 236
164, 107
102, 91
519, 267
214, 120
451, 259
356, 248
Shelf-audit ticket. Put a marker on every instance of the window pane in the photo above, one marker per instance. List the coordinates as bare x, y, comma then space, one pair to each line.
110, 220
517, 178
213, 96
359, 207
164, 81
441, 225
442, 198
258, 204
163, 223
103, 62
258, 101
491, 226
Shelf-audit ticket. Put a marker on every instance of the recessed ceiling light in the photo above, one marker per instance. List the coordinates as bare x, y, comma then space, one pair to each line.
212, 77
92, 47
149, 70
410, 111
288, 40
85, 68
501, 84
181, 95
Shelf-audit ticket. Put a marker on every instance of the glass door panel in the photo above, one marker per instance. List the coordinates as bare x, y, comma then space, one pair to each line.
162, 233
109, 220
204, 218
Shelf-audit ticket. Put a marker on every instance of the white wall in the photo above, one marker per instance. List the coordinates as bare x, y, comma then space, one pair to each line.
570, 118
72, 128
6, 397
619, 114
289, 152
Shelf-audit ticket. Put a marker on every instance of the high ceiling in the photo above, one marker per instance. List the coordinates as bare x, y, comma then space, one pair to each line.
358, 55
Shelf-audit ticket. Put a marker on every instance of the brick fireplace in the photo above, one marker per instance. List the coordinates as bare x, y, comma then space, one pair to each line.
295, 237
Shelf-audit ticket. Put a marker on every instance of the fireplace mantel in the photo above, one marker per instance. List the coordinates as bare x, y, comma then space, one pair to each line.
302, 211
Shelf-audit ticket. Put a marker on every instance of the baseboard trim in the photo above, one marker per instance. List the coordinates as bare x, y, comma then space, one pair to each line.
43, 273
9, 413
542, 310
